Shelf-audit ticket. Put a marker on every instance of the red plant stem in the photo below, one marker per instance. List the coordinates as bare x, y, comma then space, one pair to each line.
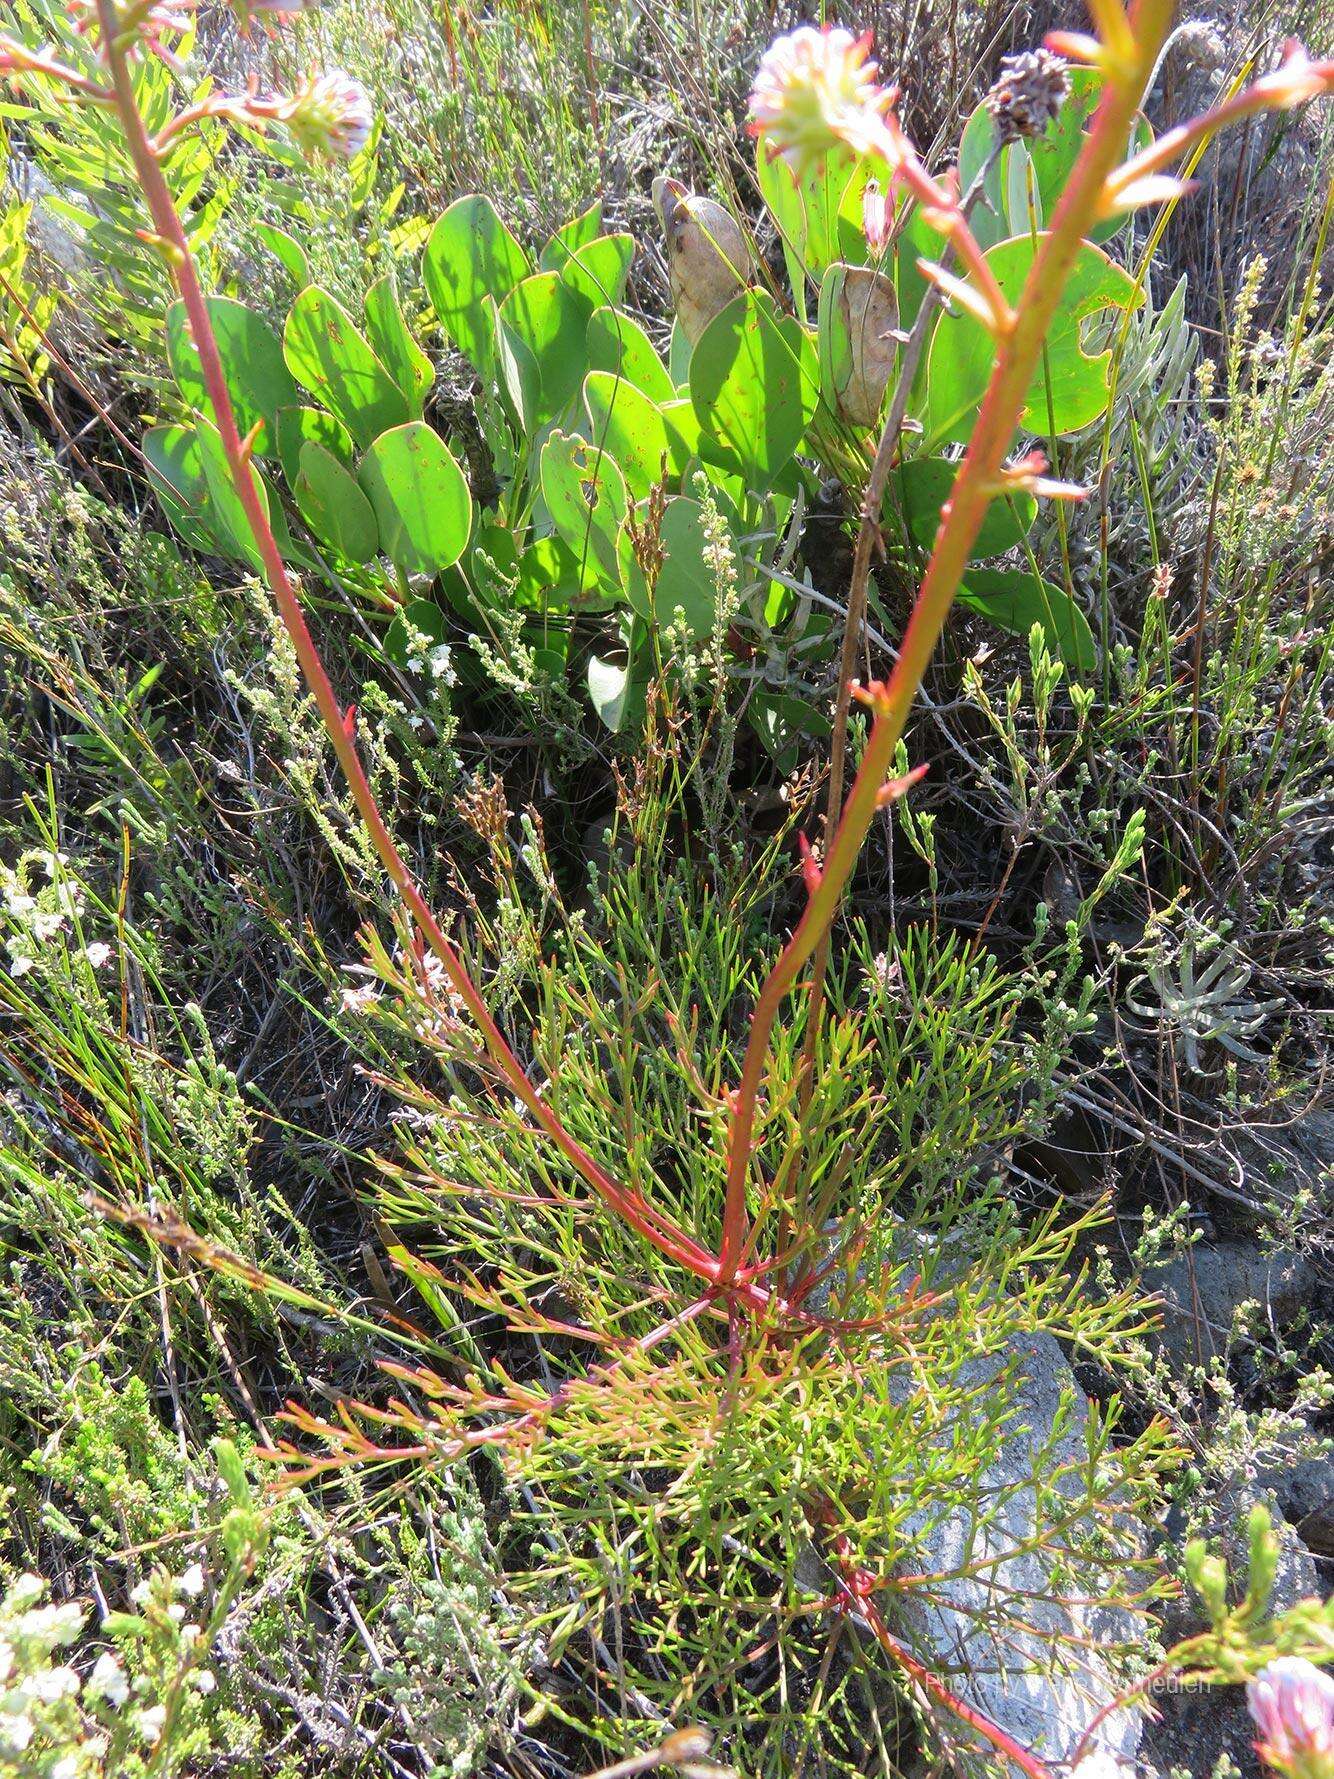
649, 1224
1017, 357
1001, 1740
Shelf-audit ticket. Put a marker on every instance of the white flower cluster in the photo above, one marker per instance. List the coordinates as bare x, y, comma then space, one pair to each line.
46, 1707
38, 903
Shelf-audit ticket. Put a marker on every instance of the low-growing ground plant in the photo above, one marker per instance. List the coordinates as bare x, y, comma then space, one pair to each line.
714, 1262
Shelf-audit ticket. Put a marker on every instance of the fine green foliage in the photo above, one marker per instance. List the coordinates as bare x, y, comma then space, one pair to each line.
369, 1405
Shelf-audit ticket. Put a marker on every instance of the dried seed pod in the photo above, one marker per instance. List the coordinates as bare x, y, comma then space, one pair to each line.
708, 257
868, 318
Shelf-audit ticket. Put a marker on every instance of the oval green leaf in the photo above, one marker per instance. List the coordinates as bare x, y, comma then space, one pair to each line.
333, 506
420, 497
616, 343
753, 383
392, 341
551, 320
918, 490
258, 381
1071, 389
471, 256
1015, 600
328, 355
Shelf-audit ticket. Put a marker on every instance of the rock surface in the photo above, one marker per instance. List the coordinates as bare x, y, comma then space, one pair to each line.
1203, 1288
1006, 1674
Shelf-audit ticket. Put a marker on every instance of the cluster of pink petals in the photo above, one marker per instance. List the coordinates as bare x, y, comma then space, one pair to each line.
815, 89
329, 115
1292, 1704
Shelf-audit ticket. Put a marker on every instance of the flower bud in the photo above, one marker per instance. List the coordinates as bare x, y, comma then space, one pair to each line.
1292, 1704
708, 256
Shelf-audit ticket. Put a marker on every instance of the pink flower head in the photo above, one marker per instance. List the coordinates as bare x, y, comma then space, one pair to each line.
1292, 1704
814, 89
330, 115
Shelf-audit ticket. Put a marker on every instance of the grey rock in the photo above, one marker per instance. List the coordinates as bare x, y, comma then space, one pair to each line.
59, 242
1008, 1674
1305, 1492
1203, 1288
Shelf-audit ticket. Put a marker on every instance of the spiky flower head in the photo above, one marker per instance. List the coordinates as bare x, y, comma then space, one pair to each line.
815, 89
1292, 1704
330, 115
1028, 93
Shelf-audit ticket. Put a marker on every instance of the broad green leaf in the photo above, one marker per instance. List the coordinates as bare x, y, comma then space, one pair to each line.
618, 688
780, 721
520, 377
296, 425
258, 381
631, 429
471, 256
585, 494
333, 505
392, 341
616, 343
1015, 600
420, 497
288, 252
328, 356
598, 271
919, 489
810, 211
570, 237
753, 380
551, 320
553, 577
1005, 208
685, 581
226, 513
1071, 389
176, 470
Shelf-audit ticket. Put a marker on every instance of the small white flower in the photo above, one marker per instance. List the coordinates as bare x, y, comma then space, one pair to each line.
15, 1730
98, 953
49, 1685
205, 1681
191, 1583
814, 89
441, 664
19, 902
20, 966
415, 721
358, 999
152, 1721
142, 1592
107, 1680
69, 1766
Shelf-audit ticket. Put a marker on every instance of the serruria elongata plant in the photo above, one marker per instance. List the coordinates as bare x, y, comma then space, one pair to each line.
815, 89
